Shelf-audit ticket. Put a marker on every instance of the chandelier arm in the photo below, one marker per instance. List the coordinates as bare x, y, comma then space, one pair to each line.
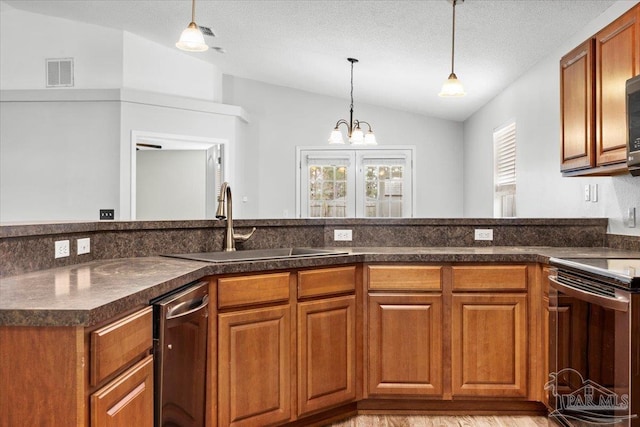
366, 123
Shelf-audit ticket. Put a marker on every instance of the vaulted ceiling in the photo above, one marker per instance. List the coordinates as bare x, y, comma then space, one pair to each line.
404, 46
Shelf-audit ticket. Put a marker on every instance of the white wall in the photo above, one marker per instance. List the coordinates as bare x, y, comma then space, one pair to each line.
534, 102
27, 39
153, 67
58, 160
171, 184
142, 117
284, 118
103, 58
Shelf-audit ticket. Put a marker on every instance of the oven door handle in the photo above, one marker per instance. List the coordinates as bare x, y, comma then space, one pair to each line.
617, 304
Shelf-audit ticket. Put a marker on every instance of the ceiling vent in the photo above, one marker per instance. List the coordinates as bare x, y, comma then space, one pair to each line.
59, 72
206, 31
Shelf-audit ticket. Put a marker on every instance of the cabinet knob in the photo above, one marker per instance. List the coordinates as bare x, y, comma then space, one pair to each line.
169, 346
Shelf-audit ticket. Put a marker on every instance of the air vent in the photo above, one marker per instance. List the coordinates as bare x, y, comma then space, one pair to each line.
206, 31
59, 72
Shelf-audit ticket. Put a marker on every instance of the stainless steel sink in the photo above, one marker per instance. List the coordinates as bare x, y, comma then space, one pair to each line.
258, 254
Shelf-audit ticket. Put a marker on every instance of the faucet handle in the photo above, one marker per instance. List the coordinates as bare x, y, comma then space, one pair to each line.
243, 237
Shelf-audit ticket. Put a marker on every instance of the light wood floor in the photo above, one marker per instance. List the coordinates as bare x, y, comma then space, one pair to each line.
442, 421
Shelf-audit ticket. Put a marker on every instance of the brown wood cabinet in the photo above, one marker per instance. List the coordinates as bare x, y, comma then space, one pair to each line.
72, 376
449, 332
617, 59
405, 330
326, 337
255, 347
326, 353
489, 351
405, 344
489, 345
286, 345
592, 98
126, 401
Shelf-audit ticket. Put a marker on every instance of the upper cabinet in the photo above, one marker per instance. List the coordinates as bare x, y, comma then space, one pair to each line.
592, 98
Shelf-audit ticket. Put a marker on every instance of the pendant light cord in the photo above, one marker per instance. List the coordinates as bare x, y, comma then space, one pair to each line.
453, 35
193, 10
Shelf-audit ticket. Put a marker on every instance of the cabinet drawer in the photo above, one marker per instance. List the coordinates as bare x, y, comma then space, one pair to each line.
127, 400
405, 277
489, 278
250, 290
326, 281
119, 343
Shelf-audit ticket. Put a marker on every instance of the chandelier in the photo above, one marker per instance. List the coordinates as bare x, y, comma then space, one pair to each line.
354, 132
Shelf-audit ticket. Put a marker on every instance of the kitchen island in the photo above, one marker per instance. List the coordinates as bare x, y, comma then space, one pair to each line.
48, 319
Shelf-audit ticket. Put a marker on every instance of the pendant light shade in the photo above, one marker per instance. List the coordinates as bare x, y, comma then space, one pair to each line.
192, 39
354, 132
452, 86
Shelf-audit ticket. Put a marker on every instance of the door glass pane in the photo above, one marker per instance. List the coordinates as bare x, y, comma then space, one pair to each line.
327, 191
383, 190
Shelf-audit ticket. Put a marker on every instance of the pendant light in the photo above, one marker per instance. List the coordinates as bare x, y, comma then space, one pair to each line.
192, 39
354, 132
452, 86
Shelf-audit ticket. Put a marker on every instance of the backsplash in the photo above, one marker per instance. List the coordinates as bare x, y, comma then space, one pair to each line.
25, 248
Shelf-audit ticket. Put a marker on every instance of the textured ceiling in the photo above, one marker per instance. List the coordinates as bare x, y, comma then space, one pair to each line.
404, 46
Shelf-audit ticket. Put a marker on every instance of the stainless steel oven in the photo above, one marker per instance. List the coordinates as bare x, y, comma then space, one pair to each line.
594, 354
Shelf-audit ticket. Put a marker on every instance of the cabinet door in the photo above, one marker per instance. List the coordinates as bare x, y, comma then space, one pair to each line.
617, 59
576, 108
326, 353
489, 345
405, 344
254, 367
127, 400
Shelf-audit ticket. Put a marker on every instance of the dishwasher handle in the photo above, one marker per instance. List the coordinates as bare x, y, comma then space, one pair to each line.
177, 312
613, 303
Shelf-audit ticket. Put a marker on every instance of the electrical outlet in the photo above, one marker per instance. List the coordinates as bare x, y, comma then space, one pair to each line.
84, 246
587, 193
484, 234
631, 218
342, 235
107, 214
62, 248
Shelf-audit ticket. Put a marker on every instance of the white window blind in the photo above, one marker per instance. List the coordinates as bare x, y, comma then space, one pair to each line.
504, 142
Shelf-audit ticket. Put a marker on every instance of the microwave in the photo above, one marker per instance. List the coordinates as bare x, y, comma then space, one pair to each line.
633, 125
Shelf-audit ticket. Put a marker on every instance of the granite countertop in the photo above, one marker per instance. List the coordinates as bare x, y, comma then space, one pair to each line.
89, 293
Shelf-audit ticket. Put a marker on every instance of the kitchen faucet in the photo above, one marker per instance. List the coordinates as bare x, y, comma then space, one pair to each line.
225, 211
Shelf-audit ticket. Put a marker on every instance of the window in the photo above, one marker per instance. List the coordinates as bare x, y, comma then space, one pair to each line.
504, 175
370, 183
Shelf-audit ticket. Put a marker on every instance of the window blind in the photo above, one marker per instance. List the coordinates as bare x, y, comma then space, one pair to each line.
505, 157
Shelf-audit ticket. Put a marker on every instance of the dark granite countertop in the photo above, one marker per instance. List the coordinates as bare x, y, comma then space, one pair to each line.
92, 292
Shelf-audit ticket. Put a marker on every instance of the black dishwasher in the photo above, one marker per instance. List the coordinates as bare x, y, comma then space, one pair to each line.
180, 352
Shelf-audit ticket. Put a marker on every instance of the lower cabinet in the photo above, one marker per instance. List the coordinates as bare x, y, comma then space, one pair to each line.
405, 345
127, 400
326, 353
449, 332
489, 345
254, 366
